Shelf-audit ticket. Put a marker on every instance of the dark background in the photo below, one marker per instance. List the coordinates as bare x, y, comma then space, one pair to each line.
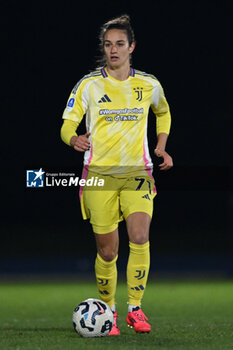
49, 46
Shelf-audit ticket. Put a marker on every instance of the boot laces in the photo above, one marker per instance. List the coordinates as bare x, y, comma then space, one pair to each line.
140, 315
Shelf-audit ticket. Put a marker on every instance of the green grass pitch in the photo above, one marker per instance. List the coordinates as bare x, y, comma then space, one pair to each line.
183, 315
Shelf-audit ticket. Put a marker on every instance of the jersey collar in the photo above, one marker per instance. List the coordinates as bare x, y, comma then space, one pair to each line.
105, 73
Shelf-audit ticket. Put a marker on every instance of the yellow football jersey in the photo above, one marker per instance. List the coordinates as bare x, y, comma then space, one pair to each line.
117, 117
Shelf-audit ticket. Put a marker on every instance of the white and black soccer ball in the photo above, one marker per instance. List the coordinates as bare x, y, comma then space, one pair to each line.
92, 318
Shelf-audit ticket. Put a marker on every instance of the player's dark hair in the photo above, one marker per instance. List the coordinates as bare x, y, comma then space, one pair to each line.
123, 23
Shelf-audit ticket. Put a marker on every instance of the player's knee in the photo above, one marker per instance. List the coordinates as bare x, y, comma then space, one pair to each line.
107, 253
139, 236
138, 225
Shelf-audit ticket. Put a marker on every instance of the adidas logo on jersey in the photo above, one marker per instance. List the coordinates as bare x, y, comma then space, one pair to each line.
146, 196
105, 98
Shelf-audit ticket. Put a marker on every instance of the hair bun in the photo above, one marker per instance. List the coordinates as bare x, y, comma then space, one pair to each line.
121, 20
124, 18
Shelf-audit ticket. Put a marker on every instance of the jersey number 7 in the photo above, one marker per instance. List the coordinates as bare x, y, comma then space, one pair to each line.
141, 182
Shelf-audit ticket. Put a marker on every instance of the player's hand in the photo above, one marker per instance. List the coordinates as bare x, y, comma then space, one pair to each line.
80, 143
167, 160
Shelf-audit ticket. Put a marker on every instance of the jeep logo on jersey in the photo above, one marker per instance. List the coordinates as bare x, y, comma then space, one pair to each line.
138, 91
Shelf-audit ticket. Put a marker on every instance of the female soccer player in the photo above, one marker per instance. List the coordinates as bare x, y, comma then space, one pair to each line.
116, 99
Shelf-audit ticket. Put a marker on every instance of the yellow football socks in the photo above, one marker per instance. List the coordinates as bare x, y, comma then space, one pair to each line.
106, 277
137, 271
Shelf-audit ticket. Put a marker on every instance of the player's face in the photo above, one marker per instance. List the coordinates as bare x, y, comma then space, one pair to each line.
117, 48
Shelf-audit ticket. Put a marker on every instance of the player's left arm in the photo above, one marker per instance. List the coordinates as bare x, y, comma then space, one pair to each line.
160, 152
163, 124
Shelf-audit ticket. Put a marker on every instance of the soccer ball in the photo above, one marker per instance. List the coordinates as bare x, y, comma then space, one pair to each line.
92, 318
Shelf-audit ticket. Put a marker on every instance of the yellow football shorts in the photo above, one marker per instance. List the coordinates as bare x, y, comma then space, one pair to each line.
107, 205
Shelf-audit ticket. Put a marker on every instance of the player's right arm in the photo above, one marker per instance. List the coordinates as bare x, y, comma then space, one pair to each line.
69, 136
75, 109
80, 143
